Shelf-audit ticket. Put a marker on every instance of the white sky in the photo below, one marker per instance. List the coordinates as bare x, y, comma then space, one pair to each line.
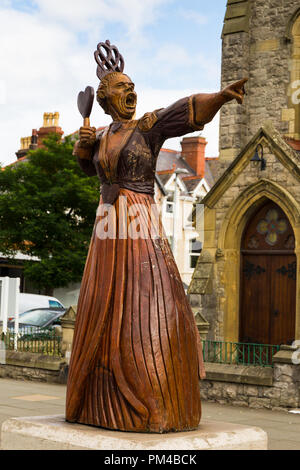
172, 48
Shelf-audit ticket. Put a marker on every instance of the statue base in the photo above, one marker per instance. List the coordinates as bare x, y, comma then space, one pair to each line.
54, 433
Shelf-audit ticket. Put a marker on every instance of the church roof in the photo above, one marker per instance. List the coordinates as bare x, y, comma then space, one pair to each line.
267, 135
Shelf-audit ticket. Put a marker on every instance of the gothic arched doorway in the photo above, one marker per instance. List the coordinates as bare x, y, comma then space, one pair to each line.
268, 278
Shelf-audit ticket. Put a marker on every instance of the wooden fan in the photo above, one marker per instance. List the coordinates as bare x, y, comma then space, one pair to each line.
85, 102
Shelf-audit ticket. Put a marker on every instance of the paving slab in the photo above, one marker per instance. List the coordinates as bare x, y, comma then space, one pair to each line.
282, 427
272, 422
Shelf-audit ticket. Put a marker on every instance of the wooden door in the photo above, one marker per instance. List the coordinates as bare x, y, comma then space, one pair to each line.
268, 278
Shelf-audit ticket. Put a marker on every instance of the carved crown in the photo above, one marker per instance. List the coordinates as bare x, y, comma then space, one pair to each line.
108, 59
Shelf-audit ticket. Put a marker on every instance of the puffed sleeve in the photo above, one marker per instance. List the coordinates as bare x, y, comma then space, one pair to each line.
177, 119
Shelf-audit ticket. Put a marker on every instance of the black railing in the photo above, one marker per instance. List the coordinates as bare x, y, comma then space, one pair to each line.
36, 340
253, 354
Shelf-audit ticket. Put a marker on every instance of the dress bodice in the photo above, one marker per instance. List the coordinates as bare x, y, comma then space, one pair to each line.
126, 153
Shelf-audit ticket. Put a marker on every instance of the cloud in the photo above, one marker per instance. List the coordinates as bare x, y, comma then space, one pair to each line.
5, 4
81, 15
192, 15
46, 60
2, 92
173, 60
44, 63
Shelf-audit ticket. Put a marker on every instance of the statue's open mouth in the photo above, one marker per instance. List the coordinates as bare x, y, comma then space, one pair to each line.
126, 104
130, 100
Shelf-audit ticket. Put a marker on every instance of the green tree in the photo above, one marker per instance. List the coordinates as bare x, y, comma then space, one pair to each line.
47, 210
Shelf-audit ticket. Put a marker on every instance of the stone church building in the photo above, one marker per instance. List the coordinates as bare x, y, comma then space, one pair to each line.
246, 285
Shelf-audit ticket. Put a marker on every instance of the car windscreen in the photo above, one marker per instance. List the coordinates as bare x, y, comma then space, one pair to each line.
37, 317
55, 304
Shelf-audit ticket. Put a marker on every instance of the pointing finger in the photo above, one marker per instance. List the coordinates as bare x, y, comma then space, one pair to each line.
240, 83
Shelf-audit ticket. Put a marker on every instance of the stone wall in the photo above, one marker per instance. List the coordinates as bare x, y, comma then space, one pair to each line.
275, 388
32, 366
261, 50
203, 300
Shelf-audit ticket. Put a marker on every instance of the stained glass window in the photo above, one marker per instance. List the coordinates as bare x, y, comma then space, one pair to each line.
272, 226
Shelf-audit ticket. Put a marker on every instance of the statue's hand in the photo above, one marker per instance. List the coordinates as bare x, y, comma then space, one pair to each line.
235, 91
87, 136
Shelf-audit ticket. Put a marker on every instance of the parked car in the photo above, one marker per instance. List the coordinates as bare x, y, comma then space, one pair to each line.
37, 322
30, 301
34, 301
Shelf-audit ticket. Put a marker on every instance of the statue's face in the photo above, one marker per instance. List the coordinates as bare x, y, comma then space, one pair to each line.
121, 96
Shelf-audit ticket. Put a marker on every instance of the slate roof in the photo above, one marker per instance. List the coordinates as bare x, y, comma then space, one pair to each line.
164, 178
168, 158
210, 171
191, 183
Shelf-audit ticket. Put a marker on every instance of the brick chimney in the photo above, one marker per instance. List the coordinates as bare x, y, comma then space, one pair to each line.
193, 152
50, 125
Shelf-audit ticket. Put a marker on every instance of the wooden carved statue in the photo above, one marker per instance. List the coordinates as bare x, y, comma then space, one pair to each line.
136, 356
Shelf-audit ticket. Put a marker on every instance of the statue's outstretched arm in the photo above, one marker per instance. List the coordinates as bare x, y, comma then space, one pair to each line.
206, 105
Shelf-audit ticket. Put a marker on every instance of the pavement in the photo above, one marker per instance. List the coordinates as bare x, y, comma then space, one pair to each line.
25, 398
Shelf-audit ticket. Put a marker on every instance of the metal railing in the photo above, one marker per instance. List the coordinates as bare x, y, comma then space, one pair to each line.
253, 354
48, 341
36, 340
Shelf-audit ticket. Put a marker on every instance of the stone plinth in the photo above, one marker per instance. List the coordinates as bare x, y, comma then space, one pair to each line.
54, 433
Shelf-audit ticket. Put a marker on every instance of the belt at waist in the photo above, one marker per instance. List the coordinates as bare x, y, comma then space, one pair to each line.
110, 192
139, 186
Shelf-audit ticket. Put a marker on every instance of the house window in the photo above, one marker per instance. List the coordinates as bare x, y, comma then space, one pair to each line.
195, 248
170, 204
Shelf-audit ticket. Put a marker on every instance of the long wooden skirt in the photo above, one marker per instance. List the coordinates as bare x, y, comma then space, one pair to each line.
136, 355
